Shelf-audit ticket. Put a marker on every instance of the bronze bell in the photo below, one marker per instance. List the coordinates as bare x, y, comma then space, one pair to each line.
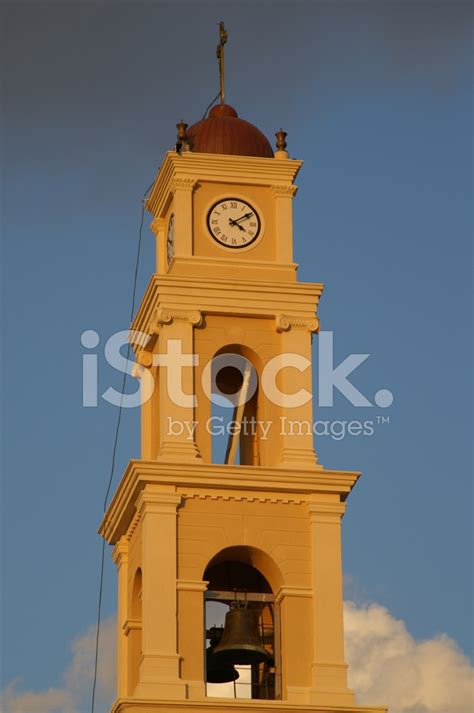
217, 670
241, 642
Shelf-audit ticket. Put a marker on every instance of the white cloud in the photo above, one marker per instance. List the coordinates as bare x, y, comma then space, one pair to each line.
54, 700
75, 693
388, 667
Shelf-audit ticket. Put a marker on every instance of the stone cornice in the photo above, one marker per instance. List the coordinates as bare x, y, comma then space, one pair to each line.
188, 494
195, 262
133, 526
221, 705
172, 297
297, 485
215, 167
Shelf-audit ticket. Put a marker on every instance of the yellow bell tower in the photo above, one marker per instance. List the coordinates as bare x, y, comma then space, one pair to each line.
255, 531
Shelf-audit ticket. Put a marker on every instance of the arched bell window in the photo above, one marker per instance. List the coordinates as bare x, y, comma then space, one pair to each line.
235, 408
242, 633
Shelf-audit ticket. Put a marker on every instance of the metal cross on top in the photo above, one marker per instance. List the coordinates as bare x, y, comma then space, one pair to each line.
220, 57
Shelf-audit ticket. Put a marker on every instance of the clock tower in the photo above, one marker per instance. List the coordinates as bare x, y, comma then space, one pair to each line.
229, 563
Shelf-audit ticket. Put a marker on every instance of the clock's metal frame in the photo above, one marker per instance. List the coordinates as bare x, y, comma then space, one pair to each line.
255, 212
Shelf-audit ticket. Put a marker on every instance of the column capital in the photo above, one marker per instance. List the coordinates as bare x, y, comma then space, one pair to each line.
158, 225
283, 592
183, 184
131, 624
285, 191
168, 316
120, 551
191, 585
284, 323
326, 512
144, 358
157, 502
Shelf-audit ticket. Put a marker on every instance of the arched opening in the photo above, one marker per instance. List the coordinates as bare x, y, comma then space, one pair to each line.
135, 630
242, 629
235, 407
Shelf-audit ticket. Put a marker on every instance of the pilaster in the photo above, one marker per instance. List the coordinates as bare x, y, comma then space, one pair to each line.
159, 675
183, 215
295, 616
283, 195
120, 557
191, 623
158, 226
329, 670
296, 422
177, 400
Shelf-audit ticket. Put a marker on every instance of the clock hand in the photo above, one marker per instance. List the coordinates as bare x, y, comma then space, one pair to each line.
234, 222
244, 217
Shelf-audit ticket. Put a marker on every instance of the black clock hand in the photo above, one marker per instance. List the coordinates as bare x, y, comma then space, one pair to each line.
234, 222
244, 217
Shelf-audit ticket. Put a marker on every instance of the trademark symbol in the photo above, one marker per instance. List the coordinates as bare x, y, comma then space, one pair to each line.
383, 420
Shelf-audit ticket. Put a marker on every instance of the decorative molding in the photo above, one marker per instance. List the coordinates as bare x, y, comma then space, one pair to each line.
137, 371
191, 585
283, 592
221, 705
285, 322
173, 449
158, 225
120, 552
292, 457
130, 624
244, 498
145, 358
133, 525
167, 316
242, 170
285, 191
157, 502
191, 475
326, 512
183, 184
248, 298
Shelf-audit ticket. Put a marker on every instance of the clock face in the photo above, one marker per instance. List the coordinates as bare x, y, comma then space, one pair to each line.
233, 223
170, 239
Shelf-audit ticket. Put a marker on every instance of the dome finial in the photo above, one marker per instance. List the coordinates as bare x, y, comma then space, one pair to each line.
281, 140
182, 142
220, 57
281, 151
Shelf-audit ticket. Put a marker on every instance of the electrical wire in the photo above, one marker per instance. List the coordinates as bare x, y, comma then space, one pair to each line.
114, 452
210, 104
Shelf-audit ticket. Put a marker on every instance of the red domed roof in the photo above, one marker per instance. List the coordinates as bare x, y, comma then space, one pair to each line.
223, 132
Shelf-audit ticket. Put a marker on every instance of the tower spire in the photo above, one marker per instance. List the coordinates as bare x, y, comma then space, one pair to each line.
220, 57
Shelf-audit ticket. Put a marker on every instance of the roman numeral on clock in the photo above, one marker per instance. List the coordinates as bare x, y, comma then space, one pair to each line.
233, 223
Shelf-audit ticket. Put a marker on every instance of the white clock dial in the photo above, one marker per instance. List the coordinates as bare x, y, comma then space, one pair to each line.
233, 223
170, 240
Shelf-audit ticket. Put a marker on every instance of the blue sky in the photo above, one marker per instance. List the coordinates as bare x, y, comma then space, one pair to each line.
376, 98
